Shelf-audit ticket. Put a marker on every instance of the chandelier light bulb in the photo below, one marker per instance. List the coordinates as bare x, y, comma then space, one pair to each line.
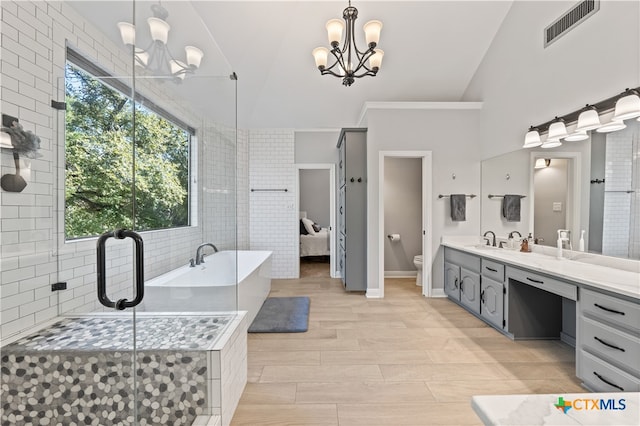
142, 58
177, 69
375, 60
320, 54
127, 33
335, 27
194, 56
159, 29
372, 32
627, 106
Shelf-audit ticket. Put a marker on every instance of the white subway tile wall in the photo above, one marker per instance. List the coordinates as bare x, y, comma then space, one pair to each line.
33, 252
617, 236
273, 219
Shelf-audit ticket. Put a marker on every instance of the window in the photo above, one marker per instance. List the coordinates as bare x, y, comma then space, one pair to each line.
117, 176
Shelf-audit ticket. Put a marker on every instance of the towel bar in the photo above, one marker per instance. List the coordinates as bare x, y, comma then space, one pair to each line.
447, 196
502, 196
269, 190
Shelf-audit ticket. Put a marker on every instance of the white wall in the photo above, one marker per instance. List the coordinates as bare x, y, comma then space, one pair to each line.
34, 254
315, 195
316, 146
273, 220
402, 213
522, 84
450, 134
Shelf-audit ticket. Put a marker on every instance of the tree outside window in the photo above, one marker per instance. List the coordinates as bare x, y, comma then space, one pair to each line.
115, 176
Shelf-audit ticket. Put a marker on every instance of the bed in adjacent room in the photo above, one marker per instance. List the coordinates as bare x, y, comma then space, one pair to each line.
314, 240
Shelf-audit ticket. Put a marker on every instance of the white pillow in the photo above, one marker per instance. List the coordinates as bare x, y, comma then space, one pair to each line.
308, 225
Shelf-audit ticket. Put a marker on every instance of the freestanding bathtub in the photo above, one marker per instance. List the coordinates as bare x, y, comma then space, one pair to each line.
211, 286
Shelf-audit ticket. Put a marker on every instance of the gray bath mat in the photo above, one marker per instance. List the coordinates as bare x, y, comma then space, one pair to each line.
282, 315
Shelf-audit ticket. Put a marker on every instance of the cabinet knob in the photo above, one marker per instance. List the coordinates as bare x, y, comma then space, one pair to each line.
359, 179
353, 180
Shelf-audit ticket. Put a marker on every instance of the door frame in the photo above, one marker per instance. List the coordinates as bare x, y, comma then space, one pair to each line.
427, 191
574, 195
332, 214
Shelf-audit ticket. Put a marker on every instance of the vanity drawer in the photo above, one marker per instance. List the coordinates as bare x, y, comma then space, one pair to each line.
610, 309
493, 270
570, 291
465, 260
603, 377
618, 347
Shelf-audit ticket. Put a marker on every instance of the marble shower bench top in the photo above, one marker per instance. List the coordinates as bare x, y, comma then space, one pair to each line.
620, 408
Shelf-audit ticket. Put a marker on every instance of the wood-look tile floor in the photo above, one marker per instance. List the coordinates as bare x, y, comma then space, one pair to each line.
401, 360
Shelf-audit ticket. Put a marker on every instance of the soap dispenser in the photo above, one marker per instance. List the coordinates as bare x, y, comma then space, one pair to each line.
559, 246
581, 244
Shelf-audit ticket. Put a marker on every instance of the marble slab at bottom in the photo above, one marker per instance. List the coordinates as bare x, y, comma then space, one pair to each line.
621, 408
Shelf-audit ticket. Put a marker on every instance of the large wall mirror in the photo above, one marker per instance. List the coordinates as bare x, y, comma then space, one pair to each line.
591, 185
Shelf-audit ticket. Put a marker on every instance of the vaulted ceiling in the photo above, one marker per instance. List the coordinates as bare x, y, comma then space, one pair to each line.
432, 50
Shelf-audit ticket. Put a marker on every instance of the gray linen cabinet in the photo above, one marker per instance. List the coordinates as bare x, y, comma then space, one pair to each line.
352, 209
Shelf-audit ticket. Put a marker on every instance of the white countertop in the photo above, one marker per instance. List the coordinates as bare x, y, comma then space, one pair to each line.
542, 410
580, 270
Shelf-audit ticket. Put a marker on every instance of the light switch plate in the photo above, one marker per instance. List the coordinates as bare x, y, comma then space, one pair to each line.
557, 206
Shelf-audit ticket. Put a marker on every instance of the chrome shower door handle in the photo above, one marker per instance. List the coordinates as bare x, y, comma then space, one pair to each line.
120, 234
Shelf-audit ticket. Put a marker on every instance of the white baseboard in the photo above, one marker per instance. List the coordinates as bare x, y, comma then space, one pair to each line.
400, 274
374, 293
438, 292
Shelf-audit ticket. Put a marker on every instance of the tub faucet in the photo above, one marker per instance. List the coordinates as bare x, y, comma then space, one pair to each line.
494, 237
200, 257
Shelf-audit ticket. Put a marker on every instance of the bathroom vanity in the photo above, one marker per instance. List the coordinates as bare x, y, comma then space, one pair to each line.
534, 295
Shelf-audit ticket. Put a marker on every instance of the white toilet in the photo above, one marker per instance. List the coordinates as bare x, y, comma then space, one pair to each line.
417, 261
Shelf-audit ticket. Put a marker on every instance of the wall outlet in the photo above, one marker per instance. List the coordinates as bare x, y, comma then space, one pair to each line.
557, 206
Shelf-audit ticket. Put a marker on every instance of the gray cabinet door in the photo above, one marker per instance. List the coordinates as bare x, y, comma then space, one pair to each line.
470, 290
492, 301
452, 280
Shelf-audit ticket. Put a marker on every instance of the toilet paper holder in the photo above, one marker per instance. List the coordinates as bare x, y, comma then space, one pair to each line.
393, 237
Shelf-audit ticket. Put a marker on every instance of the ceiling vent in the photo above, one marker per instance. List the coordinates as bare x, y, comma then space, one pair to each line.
570, 20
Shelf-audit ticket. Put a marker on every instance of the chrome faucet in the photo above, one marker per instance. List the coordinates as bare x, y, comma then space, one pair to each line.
200, 257
493, 243
515, 232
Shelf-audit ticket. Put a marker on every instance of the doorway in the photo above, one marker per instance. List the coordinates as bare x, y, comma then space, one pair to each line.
557, 198
315, 200
405, 217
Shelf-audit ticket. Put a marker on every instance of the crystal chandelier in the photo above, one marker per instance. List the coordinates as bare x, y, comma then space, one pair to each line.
156, 57
344, 67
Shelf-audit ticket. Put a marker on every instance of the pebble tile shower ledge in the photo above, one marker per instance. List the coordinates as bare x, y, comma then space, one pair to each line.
80, 371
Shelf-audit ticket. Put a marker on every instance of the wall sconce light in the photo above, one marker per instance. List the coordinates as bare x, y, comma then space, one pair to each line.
612, 126
577, 135
588, 119
541, 163
628, 106
532, 138
621, 107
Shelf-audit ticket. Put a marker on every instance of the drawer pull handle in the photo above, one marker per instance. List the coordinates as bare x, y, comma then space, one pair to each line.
608, 382
608, 344
491, 269
608, 310
535, 281
455, 283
